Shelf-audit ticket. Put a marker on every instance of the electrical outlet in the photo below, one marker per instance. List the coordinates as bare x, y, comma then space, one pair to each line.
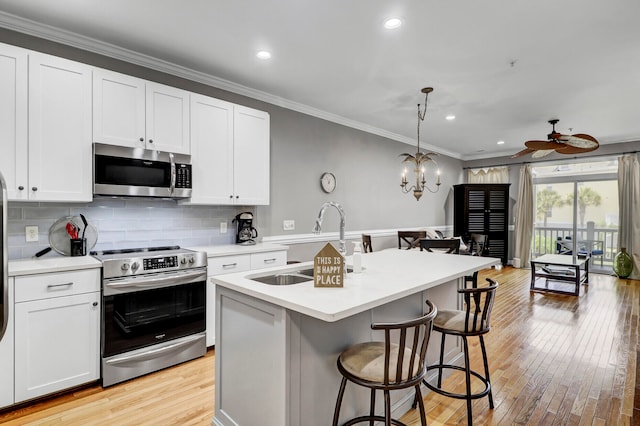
289, 225
223, 227
31, 233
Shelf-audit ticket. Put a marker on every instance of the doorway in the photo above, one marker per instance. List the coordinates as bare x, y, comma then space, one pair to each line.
576, 211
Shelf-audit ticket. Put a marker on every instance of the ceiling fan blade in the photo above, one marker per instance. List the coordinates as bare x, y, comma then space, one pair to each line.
580, 140
542, 153
523, 152
535, 145
576, 150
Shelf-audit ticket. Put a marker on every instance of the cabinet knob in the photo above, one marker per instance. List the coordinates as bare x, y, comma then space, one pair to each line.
237, 196
35, 188
230, 196
95, 303
21, 188
150, 140
141, 139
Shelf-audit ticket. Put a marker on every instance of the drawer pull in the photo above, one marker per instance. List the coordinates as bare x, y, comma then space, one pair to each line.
59, 285
273, 259
230, 265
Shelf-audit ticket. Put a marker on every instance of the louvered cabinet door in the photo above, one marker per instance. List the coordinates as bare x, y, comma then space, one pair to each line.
483, 209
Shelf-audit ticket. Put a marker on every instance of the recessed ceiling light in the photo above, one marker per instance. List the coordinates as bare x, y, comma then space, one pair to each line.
263, 54
500, 142
393, 23
450, 117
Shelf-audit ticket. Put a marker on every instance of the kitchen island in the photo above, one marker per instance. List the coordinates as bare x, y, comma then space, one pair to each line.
277, 346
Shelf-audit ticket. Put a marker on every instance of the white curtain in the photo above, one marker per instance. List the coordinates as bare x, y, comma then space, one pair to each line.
629, 196
523, 219
490, 175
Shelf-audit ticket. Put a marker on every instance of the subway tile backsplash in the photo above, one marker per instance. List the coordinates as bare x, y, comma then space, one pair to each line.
124, 223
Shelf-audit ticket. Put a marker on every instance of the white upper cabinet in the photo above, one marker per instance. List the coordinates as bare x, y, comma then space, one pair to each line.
230, 153
13, 119
251, 149
129, 111
45, 131
211, 150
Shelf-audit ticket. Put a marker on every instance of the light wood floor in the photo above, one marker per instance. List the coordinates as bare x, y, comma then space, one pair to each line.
554, 360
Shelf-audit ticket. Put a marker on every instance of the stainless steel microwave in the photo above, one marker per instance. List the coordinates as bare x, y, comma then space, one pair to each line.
137, 172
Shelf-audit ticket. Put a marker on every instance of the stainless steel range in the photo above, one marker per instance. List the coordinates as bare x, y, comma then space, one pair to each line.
153, 310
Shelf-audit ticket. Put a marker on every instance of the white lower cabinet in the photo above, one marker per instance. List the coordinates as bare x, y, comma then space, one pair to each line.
57, 332
6, 354
218, 265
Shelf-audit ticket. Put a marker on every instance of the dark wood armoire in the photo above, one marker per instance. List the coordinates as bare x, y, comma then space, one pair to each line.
481, 208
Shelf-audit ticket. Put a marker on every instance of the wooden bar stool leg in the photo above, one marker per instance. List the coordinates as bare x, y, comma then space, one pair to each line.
467, 373
387, 408
441, 360
372, 405
336, 413
486, 370
423, 415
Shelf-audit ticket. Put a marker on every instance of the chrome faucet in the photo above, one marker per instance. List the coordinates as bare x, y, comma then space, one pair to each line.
342, 249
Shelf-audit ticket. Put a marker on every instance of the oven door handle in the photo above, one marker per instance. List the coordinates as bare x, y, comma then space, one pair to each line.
157, 282
157, 351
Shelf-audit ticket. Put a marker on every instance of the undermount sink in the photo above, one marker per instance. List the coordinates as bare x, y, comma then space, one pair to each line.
283, 279
288, 278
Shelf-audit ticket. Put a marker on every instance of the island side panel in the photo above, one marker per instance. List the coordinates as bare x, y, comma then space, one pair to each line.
251, 361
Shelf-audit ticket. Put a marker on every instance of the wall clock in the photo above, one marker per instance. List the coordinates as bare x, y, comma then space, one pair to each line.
328, 182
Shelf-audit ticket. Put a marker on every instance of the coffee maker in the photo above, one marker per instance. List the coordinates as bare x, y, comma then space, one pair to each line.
245, 233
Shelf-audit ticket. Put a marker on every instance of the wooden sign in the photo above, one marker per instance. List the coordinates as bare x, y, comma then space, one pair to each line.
328, 268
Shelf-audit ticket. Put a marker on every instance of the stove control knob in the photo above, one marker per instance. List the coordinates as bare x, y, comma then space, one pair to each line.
183, 261
125, 266
191, 260
134, 266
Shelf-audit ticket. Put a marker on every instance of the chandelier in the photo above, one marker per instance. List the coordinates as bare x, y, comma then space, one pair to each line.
419, 160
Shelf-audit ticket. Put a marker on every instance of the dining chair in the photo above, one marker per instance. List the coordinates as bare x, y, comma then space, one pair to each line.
478, 245
410, 238
440, 246
366, 243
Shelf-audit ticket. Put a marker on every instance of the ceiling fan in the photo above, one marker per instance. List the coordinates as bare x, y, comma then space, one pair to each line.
564, 144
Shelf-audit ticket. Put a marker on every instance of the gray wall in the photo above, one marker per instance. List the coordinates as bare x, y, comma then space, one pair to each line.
367, 168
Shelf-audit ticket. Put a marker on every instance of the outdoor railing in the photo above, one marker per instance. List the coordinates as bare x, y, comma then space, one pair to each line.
545, 240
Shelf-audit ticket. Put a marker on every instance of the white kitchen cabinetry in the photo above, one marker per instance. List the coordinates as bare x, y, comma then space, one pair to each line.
230, 150
218, 265
45, 136
13, 118
129, 111
57, 329
6, 355
59, 129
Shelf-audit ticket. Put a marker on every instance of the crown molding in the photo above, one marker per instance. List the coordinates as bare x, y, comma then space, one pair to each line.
36, 29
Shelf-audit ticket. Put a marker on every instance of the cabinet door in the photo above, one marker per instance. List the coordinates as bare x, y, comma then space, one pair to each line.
118, 109
167, 118
59, 129
211, 150
6, 354
211, 312
13, 120
57, 344
251, 156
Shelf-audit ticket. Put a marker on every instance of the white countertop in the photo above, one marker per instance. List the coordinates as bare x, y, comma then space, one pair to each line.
51, 264
235, 249
389, 275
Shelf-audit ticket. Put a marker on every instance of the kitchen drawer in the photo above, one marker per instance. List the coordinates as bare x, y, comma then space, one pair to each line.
44, 286
268, 259
228, 264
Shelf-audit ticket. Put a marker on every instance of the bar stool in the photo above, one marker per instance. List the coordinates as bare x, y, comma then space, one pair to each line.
472, 321
388, 365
